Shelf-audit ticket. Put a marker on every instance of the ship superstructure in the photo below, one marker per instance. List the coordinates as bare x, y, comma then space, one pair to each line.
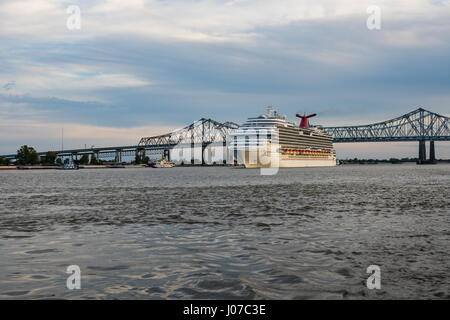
271, 141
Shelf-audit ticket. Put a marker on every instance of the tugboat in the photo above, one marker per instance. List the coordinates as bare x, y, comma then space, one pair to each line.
163, 163
69, 165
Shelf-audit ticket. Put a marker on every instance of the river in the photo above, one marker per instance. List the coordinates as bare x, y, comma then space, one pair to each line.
226, 233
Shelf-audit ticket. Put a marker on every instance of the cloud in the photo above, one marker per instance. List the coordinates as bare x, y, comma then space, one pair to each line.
9, 86
189, 20
66, 80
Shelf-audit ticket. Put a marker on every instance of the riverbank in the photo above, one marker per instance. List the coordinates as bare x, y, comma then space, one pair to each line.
59, 167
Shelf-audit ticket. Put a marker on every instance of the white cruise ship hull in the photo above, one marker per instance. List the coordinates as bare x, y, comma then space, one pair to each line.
298, 164
307, 163
280, 161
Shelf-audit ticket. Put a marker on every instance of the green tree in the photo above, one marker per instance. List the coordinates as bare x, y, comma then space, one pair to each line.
27, 155
84, 159
5, 162
50, 158
137, 159
94, 160
145, 160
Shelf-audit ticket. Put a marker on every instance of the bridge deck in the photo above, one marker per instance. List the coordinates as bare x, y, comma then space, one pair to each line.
418, 125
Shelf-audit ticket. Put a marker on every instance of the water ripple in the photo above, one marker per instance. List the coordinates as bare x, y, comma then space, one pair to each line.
206, 233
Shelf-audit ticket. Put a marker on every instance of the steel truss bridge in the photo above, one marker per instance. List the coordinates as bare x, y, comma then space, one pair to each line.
201, 133
419, 125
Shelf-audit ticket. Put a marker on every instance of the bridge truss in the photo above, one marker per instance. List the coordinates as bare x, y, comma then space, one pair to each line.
419, 125
203, 131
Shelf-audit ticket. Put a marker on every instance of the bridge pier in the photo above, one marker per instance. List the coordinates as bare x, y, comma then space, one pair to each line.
167, 154
423, 153
209, 155
224, 151
432, 152
118, 158
203, 154
192, 149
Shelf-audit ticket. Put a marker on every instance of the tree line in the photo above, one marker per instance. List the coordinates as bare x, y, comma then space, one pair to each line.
27, 155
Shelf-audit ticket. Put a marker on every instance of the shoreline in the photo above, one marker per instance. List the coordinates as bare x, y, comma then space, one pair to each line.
119, 166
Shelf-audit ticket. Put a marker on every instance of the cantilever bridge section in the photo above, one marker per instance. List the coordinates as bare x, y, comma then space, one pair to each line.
201, 133
419, 125
204, 131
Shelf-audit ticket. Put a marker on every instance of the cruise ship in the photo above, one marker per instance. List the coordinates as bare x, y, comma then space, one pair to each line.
271, 141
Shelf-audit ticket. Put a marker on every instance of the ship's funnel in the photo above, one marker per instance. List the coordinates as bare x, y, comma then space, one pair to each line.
304, 123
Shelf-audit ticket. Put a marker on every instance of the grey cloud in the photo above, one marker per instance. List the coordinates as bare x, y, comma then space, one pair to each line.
334, 67
9, 86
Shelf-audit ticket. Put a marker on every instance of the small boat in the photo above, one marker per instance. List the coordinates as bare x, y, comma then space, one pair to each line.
163, 163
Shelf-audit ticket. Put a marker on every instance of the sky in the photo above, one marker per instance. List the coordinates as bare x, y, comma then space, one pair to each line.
144, 67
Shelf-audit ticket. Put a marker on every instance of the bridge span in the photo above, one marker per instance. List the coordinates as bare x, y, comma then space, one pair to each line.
419, 125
